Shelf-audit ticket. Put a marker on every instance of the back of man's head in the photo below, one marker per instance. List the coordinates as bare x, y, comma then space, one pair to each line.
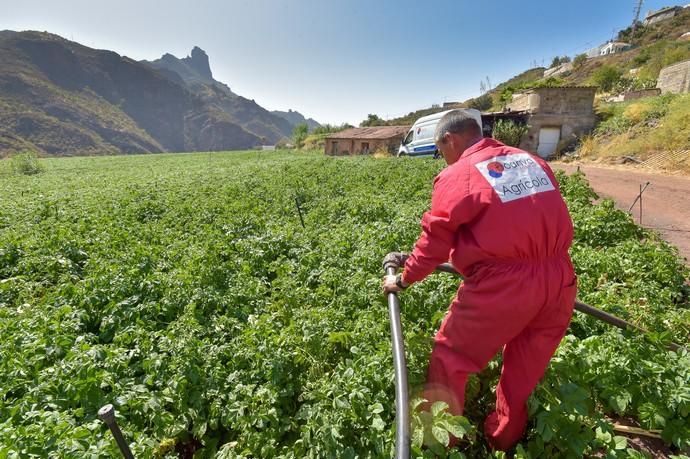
457, 122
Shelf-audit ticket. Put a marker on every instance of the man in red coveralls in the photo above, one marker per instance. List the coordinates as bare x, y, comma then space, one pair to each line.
498, 215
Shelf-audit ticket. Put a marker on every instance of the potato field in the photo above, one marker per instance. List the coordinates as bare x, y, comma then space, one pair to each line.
229, 306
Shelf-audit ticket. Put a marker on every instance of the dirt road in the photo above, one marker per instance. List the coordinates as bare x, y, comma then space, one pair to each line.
665, 203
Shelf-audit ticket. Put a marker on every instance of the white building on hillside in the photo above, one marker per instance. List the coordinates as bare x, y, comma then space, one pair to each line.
610, 47
614, 47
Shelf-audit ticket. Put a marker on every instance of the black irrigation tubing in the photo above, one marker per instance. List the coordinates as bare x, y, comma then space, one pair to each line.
299, 211
661, 228
586, 309
107, 415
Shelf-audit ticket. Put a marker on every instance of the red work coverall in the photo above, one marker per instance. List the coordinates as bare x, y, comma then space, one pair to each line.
499, 215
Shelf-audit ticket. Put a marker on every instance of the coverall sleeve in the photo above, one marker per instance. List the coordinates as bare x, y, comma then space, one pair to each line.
451, 206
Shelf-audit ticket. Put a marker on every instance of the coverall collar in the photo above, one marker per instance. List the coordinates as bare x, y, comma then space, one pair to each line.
486, 142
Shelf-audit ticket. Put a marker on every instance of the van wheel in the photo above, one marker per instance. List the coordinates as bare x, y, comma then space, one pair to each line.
437, 154
402, 155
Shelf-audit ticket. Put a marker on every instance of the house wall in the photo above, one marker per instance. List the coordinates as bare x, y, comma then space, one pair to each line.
660, 17
572, 127
572, 101
555, 101
523, 102
675, 78
570, 109
356, 147
613, 48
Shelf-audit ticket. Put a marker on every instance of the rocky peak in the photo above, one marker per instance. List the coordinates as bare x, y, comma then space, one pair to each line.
199, 62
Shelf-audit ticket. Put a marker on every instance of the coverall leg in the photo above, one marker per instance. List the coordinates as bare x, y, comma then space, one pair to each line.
501, 309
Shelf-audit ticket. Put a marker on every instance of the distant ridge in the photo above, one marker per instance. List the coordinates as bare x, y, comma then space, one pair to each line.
58, 97
295, 118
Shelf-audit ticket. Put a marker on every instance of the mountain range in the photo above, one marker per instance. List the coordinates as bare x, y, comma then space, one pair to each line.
58, 97
296, 118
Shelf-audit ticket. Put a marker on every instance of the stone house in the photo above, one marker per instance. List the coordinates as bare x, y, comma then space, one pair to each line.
365, 140
556, 116
674, 78
661, 15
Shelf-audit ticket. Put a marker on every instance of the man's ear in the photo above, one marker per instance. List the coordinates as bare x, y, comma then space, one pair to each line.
447, 138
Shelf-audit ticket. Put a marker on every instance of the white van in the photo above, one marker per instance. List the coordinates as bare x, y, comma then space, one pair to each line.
419, 141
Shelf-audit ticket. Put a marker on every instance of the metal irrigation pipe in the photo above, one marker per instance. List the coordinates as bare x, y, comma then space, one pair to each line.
402, 405
107, 415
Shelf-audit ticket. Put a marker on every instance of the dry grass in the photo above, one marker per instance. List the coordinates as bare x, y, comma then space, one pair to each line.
380, 153
588, 146
648, 128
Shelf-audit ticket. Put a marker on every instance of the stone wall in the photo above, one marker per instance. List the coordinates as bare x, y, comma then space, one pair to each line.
565, 101
572, 128
361, 146
675, 78
654, 17
522, 102
555, 101
569, 109
559, 69
632, 95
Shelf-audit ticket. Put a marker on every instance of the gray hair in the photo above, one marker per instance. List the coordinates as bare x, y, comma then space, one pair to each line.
456, 122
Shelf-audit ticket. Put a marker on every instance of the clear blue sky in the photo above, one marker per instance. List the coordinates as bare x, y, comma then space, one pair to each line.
337, 61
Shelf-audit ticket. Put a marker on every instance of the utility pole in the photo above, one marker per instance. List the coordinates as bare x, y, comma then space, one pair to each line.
637, 10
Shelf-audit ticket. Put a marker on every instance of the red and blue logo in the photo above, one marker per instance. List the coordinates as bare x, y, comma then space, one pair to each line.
495, 169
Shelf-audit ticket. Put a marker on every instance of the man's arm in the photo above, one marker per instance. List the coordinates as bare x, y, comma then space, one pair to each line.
451, 206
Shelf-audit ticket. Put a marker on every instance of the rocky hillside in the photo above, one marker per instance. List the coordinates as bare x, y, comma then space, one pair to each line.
58, 97
296, 118
653, 47
194, 72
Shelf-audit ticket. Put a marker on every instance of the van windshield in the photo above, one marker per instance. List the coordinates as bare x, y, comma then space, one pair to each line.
408, 138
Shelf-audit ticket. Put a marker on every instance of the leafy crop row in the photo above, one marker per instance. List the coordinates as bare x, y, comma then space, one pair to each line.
184, 289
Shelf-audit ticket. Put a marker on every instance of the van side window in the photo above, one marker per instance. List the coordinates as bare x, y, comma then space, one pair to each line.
408, 138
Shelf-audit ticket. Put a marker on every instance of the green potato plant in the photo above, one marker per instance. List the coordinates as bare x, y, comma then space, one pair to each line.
185, 290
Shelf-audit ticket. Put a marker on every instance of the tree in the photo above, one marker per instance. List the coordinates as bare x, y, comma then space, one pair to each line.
299, 133
559, 60
579, 60
372, 120
481, 103
606, 77
329, 128
506, 96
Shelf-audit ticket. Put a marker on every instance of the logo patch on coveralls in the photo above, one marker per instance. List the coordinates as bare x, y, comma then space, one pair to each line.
515, 176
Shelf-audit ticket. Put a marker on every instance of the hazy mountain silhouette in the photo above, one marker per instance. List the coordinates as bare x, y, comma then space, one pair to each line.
62, 98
